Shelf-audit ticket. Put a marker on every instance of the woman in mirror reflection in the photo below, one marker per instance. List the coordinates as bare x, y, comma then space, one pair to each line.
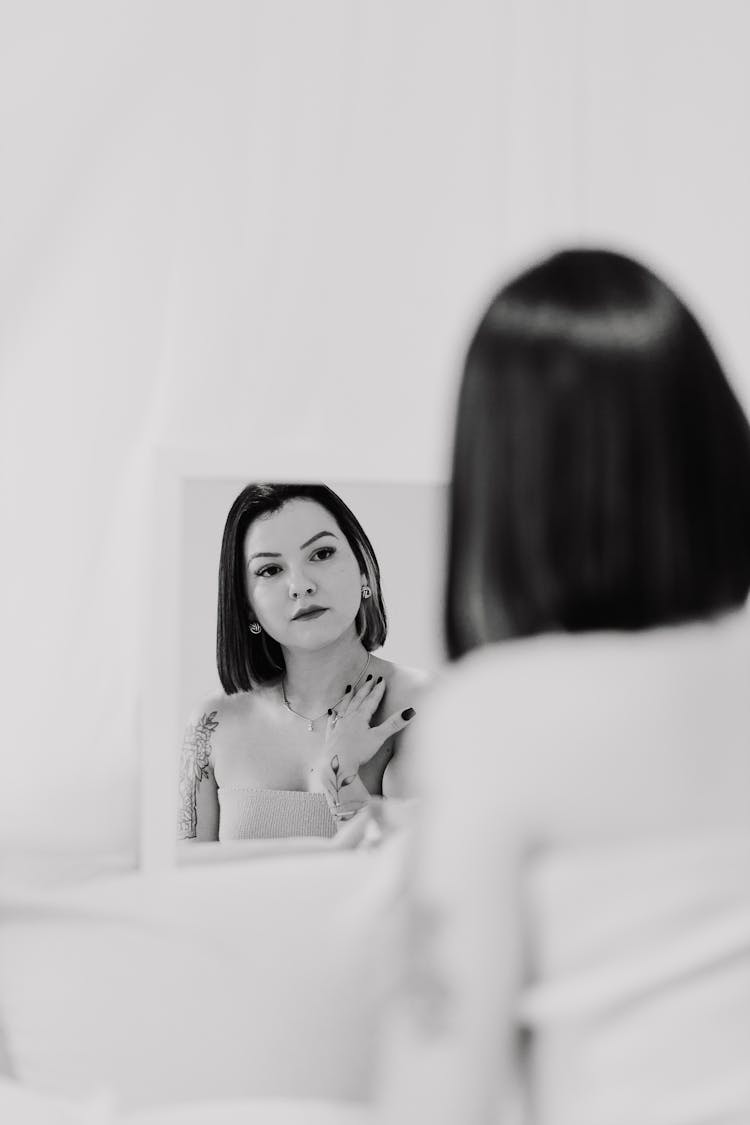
580, 949
308, 725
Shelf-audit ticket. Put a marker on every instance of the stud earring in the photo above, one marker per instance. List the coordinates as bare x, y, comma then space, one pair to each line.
366, 591
254, 628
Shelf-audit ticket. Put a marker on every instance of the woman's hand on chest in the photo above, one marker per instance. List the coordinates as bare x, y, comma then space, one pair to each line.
350, 742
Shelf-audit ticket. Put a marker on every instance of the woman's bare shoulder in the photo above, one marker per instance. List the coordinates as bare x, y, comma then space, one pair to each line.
578, 731
218, 708
405, 685
513, 694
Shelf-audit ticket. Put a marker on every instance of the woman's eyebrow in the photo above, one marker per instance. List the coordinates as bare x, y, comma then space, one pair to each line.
318, 536
264, 555
277, 554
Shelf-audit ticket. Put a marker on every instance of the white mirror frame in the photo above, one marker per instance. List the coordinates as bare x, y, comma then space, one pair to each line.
162, 724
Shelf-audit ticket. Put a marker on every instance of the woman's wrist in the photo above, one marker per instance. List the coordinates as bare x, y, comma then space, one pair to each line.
344, 789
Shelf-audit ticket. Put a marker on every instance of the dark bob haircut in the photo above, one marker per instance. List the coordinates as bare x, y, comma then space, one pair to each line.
601, 473
243, 659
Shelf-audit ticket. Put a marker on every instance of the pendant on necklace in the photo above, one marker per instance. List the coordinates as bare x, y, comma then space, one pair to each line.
310, 725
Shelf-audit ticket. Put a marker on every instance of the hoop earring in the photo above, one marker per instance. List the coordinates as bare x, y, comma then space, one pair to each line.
255, 628
366, 592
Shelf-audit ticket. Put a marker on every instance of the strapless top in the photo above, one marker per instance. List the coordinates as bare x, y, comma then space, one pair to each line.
263, 814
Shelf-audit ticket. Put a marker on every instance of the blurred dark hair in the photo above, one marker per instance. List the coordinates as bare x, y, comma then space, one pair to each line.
243, 659
601, 473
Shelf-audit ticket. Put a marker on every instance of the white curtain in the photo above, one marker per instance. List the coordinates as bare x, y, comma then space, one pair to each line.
102, 118
268, 226
227, 224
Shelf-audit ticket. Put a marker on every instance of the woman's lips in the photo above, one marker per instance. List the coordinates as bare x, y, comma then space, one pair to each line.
309, 614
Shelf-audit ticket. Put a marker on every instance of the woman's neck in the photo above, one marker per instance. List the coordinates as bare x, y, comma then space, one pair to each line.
315, 681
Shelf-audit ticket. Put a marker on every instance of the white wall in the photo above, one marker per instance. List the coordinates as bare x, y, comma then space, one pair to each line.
630, 129
268, 226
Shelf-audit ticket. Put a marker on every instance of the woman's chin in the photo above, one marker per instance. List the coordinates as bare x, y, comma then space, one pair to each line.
313, 635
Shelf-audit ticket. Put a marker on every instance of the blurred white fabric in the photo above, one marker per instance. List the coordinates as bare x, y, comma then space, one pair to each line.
19, 1106
254, 978
260, 1111
644, 1001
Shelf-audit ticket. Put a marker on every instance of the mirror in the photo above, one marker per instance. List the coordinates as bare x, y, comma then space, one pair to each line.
405, 523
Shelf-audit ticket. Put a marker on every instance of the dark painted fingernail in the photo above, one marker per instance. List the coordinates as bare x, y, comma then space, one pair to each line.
348, 688
379, 680
368, 677
409, 713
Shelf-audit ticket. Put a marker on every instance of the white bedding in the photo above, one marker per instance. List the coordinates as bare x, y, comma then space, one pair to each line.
243, 980
20, 1106
256, 1112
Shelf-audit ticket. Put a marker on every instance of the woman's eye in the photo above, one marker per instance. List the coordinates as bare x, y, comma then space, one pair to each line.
268, 571
323, 553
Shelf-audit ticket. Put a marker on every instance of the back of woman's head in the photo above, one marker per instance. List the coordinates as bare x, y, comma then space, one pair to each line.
601, 474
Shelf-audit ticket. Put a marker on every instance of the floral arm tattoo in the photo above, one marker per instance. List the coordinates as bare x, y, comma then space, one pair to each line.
343, 801
195, 762
337, 782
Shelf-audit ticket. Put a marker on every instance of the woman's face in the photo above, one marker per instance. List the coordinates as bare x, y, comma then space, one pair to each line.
303, 581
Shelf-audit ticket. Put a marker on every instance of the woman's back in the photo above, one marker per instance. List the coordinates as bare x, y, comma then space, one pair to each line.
585, 876
607, 734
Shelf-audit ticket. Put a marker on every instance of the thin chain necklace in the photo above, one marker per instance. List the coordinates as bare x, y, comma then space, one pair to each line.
312, 720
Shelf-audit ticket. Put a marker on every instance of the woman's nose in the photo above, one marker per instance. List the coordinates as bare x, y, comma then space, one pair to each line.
301, 586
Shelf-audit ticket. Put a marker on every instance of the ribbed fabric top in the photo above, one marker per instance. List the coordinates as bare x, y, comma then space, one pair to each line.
262, 814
